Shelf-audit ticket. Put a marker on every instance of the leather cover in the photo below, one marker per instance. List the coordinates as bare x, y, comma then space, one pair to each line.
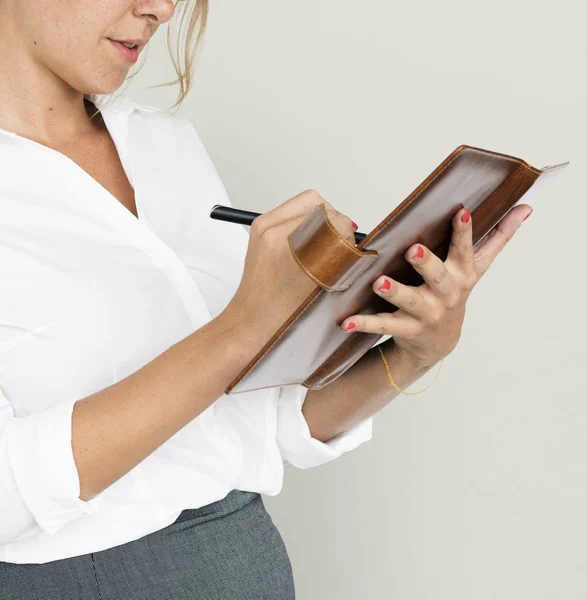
310, 348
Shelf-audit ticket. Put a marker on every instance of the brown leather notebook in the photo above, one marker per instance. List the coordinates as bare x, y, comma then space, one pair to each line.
310, 348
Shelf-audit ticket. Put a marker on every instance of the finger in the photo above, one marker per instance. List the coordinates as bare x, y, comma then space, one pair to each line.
500, 235
396, 324
432, 269
405, 297
460, 252
298, 206
292, 217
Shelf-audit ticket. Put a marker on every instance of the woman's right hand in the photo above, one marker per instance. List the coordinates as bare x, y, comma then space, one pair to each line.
273, 284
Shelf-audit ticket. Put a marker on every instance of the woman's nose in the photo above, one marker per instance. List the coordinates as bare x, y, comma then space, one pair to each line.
160, 10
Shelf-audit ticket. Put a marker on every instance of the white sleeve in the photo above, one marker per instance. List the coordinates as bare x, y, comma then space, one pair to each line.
298, 448
39, 483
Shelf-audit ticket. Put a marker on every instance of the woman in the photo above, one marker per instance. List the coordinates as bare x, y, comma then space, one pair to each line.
125, 312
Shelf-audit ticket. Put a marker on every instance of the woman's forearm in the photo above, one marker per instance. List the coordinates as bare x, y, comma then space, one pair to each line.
360, 392
116, 428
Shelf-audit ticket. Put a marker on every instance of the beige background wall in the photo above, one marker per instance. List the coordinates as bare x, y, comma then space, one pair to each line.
477, 488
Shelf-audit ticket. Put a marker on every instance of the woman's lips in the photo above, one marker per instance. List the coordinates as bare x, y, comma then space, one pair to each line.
131, 55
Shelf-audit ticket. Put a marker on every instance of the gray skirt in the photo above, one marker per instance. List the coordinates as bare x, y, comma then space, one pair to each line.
227, 550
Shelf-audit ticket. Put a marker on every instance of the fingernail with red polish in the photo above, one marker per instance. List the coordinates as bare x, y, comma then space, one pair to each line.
355, 225
466, 216
349, 326
528, 215
419, 252
385, 286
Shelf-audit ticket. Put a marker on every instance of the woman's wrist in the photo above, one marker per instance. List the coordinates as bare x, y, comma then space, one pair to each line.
406, 368
361, 391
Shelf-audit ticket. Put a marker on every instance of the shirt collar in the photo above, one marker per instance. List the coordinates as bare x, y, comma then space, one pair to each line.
109, 102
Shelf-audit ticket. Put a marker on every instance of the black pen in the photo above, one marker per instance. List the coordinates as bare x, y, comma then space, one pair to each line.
246, 217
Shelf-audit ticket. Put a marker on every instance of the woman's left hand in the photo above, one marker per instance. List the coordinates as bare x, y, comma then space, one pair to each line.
427, 326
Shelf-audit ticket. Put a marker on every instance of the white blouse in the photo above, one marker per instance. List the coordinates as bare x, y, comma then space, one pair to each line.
88, 295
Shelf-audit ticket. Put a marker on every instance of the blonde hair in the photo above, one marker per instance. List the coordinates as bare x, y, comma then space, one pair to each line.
189, 21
